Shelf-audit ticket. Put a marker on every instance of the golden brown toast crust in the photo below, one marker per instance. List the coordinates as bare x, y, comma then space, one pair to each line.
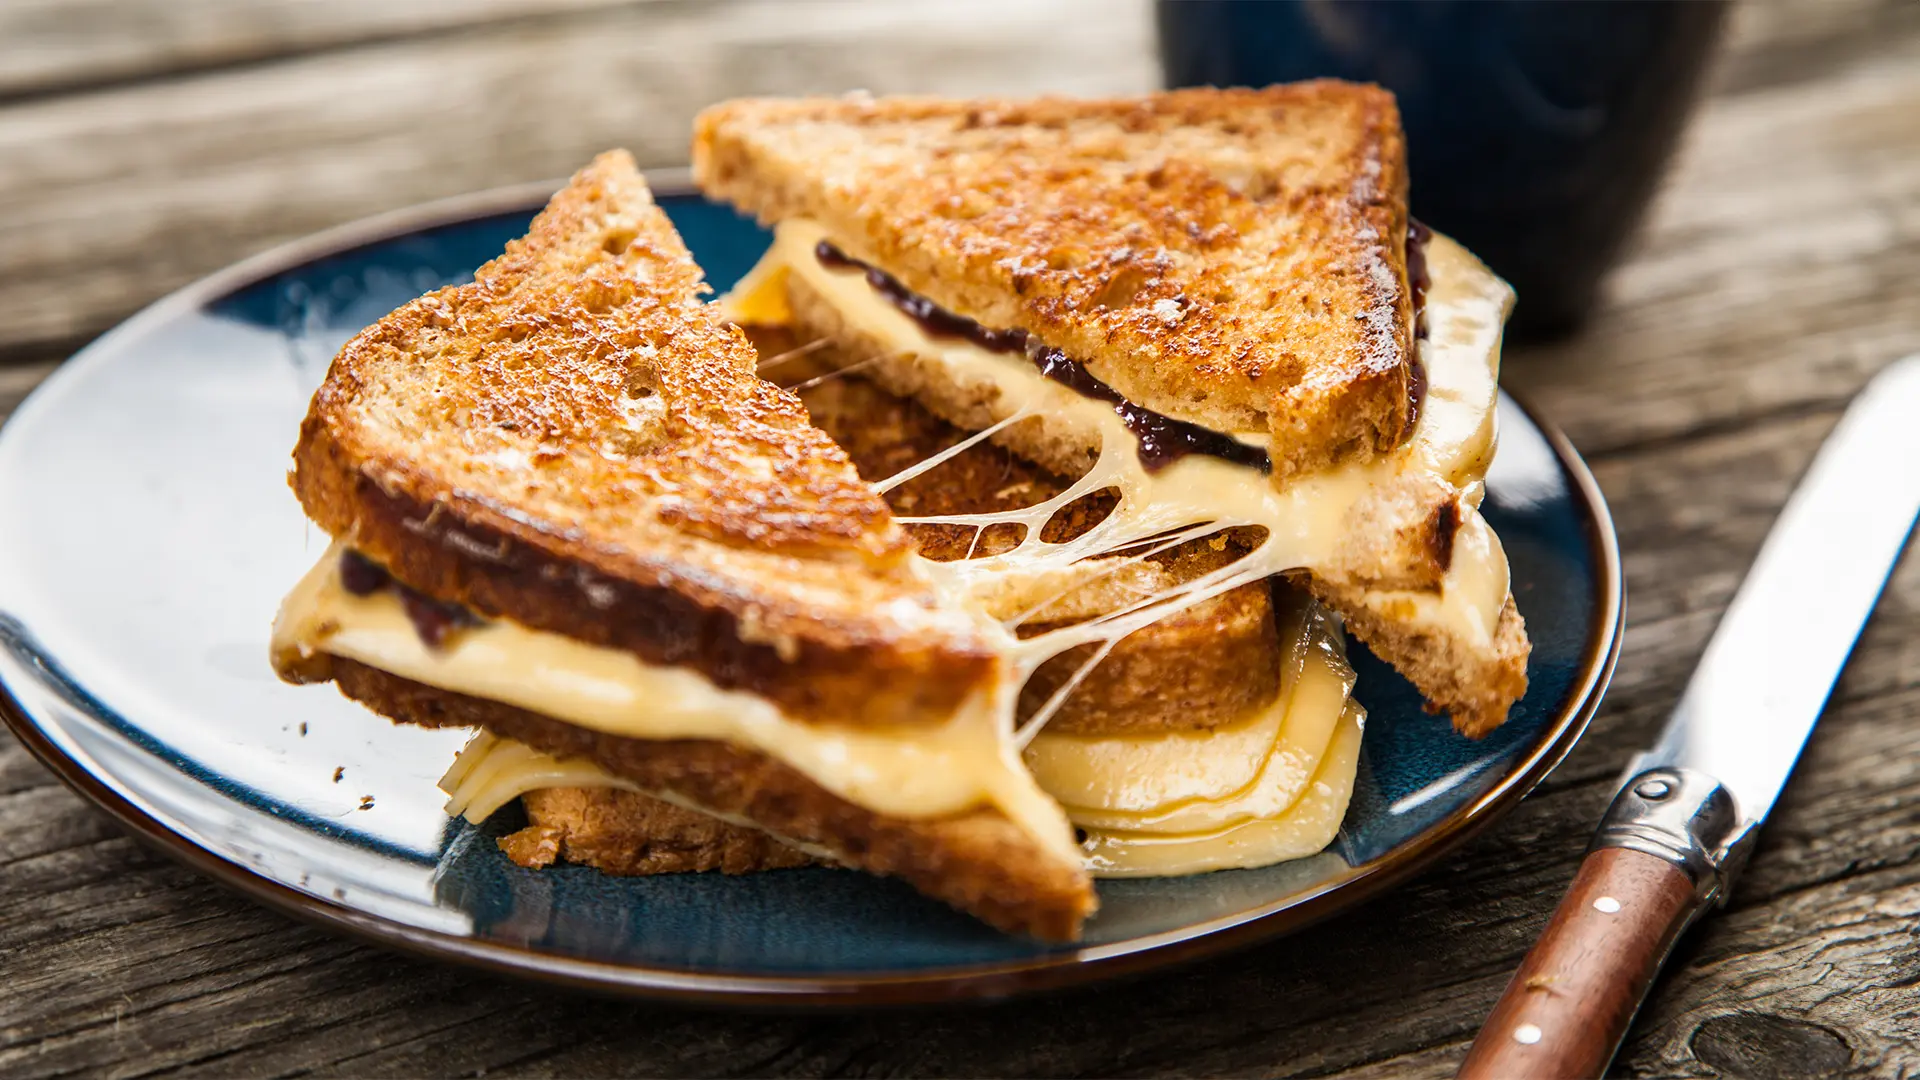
980, 862
1475, 687
576, 442
625, 833
1236, 258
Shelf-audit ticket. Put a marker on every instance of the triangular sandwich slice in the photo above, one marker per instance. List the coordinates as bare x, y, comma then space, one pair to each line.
1212, 302
566, 510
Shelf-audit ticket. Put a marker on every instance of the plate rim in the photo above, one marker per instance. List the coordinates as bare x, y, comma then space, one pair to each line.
994, 980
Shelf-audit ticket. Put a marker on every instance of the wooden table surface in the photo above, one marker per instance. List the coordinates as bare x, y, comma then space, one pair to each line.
146, 142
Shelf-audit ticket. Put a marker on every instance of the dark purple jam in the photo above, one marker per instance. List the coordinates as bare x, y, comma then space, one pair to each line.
1163, 440
1418, 281
434, 620
934, 319
362, 576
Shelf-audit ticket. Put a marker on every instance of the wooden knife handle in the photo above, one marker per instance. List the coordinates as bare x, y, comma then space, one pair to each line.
1568, 1006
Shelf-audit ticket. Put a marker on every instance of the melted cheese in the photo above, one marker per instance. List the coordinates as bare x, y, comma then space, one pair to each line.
1308, 827
1089, 773
1313, 697
492, 772
1307, 521
917, 772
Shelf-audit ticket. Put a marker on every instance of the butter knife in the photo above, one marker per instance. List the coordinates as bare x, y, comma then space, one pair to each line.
1687, 811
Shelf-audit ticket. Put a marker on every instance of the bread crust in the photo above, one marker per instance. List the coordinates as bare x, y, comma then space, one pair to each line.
628, 834
1235, 258
574, 441
978, 861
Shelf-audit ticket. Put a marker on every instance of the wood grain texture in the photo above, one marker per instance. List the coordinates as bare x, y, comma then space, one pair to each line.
1775, 275
52, 45
1567, 1007
109, 199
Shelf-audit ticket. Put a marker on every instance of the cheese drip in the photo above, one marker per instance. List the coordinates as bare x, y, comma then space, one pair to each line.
909, 772
1194, 781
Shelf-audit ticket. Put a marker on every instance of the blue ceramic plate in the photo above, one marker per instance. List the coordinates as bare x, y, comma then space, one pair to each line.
147, 534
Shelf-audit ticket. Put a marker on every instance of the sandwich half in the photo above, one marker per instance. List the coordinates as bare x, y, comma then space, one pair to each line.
567, 511
1211, 304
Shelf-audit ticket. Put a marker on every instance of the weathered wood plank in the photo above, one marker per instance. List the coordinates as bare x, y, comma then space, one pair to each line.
1817, 984
108, 200
103, 932
1774, 272
51, 45
1772, 44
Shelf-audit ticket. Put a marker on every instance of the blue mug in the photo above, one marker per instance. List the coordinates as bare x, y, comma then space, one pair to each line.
1536, 131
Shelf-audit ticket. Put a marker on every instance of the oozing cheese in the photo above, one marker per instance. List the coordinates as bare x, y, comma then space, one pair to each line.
917, 772
1307, 522
1190, 802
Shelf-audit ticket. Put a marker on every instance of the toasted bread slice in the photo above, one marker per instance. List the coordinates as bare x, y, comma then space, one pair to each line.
626, 833
576, 444
977, 861
1233, 258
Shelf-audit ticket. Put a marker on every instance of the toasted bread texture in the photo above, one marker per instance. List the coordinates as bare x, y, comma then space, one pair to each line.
1235, 258
626, 833
978, 861
576, 442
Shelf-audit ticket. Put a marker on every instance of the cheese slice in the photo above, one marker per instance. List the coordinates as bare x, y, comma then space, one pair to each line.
1146, 773
1313, 698
1305, 829
917, 772
491, 772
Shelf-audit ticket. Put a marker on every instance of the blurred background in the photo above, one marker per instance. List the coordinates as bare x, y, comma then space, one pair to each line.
146, 142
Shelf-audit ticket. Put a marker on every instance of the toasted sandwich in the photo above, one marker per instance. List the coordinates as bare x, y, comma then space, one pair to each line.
1222, 736
1212, 303
1202, 315
566, 511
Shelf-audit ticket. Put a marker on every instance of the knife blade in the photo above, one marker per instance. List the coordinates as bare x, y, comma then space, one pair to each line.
1686, 812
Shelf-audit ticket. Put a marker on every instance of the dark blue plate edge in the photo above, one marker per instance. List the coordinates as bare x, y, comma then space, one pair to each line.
1047, 971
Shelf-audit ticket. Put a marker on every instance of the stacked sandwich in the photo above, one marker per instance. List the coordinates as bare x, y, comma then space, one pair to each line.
1114, 413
